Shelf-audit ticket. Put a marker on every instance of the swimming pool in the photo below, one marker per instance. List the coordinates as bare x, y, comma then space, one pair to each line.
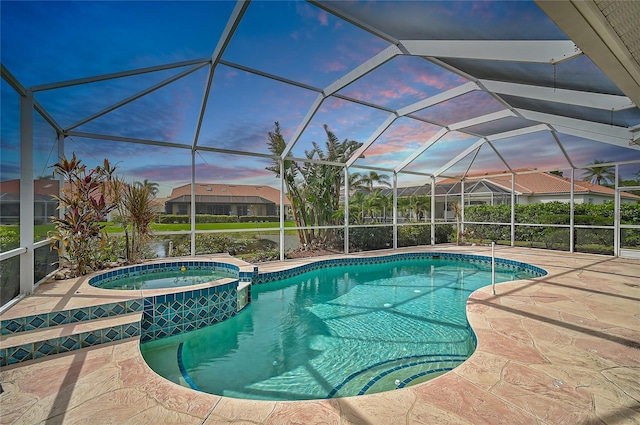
336, 332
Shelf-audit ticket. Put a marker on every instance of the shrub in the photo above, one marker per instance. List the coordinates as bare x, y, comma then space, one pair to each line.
587, 240
85, 206
259, 218
414, 235
200, 218
370, 238
444, 233
9, 238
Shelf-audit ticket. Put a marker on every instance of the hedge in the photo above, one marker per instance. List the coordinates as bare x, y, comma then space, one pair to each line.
259, 218
557, 213
208, 218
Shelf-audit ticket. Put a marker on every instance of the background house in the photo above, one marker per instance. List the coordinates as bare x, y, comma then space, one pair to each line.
223, 199
530, 188
44, 204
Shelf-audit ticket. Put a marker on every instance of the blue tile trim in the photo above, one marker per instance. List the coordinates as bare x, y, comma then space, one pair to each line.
502, 263
183, 371
63, 344
55, 318
115, 274
418, 375
373, 381
187, 310
440, 358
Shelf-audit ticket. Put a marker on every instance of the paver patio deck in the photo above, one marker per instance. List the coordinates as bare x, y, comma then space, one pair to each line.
561, 349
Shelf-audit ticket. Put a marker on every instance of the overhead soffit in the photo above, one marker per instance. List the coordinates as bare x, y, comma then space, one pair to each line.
624, 19
608, 32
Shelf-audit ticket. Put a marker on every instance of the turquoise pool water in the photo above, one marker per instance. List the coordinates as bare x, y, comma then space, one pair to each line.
334, 332
167, 279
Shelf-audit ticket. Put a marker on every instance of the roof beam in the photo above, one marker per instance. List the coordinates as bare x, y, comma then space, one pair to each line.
475, 155
22, 91
381, 58
114, 75
461, 155
497, 152
113, 138
325, 5
613, 135
365, 68
233, 22
561, 146
381, 129
608, 102
438, 98
439, 135
518, 132
135, 96
536, 51
505, 113
303, 125
268, 75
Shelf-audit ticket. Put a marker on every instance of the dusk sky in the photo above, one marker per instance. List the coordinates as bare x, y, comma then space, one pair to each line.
48, 42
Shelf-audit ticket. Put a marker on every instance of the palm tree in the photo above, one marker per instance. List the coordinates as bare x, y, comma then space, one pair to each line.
422, 204
600, 174
373, 178
324, 182
375, 202
153, 186
457, 212
290, 172
313, 188
358, 181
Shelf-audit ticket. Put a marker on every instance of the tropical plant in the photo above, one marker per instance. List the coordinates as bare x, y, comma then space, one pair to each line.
153, 186
599, 174
368, 181
314, 187
84, 207
290, 172
457, 212
140, 213
376, 204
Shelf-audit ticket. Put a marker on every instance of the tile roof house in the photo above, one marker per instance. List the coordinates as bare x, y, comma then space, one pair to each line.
225, 199
534, 187
44, 205
530, 187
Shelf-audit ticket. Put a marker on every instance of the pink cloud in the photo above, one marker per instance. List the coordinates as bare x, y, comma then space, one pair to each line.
432, 81
397, 90
306, 11
334, 66
230, 74
323, 18
403, 137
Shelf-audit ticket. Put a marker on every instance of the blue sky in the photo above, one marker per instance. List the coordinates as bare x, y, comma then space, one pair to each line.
46, 42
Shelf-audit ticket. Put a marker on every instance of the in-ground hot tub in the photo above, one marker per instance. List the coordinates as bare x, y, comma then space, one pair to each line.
183, 295
165, 275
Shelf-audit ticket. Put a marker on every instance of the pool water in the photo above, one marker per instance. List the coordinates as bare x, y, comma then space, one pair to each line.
167, 279
334, 332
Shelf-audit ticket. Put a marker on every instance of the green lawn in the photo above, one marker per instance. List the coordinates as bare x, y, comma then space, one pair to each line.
111, 228
10, 234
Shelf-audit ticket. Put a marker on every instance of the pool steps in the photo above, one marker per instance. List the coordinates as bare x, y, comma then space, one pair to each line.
31, 342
